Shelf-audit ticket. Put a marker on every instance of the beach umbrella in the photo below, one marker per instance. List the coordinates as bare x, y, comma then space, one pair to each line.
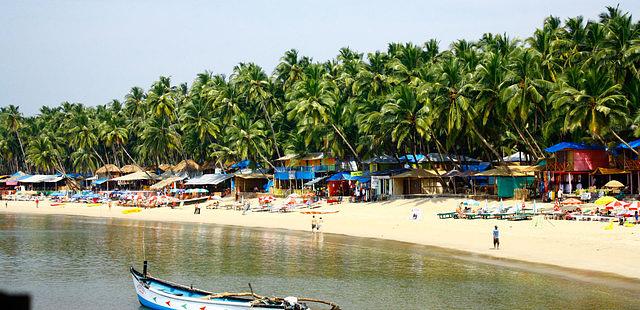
614, 184
572, 201
535, 209
617, 204
633, 205
604, 200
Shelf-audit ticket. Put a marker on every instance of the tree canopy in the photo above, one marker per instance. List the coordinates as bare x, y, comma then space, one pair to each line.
576, 80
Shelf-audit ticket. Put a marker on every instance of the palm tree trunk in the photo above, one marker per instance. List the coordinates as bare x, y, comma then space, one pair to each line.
624, 142
24, 157
275, 140
525, 140
346, 142
535, 143
115, 155
487, 144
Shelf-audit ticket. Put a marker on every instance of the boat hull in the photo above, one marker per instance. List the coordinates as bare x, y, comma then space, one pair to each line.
157, 295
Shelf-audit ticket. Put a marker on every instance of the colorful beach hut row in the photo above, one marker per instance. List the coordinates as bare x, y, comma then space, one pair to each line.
576, 166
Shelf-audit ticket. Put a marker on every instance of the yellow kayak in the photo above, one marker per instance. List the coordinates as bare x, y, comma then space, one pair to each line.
132, 210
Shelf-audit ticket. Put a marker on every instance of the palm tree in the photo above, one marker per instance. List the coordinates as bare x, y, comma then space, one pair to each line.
12, 121
594, 101
248, 139
42, 154
255, 85
159, 140
406, 116
310, 102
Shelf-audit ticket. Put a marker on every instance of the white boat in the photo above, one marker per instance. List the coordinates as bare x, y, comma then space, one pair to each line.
160, 294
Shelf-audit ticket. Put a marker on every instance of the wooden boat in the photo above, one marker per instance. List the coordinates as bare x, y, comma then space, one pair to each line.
320, 212
132, 210
192, 201
164, 295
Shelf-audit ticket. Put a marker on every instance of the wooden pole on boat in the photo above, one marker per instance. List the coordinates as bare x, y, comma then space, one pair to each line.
251, 289
144, 268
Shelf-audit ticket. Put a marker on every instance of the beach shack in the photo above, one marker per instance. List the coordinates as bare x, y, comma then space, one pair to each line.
212, 182
511, 181
571, 164
253, 183
168, 183
382, 162
416, 182
627, 162
341, 184
103, 177
137, 180
293, 171
382, 184
187, 167
43, 182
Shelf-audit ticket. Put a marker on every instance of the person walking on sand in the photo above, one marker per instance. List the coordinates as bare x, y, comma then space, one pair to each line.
314, 223
37, 202
496, 238
320, 221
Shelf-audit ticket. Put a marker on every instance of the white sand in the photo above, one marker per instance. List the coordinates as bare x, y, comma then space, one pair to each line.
581, 245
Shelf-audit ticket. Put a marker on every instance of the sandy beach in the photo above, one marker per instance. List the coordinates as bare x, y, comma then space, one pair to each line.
570, 244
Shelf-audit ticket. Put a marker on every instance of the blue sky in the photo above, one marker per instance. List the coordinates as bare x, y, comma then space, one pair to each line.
93, 51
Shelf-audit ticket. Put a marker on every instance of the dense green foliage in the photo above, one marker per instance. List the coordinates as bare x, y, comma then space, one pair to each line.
576, 81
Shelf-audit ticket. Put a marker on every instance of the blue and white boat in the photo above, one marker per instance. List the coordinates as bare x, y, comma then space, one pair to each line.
164, 295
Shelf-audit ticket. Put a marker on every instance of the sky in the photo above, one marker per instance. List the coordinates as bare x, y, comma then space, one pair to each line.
91, 51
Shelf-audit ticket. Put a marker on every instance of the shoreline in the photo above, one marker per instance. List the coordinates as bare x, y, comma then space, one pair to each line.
584, 249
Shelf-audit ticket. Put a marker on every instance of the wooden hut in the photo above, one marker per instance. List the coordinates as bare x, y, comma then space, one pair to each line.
571, 164
417, 182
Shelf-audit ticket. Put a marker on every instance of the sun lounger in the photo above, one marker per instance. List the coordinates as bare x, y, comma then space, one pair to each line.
446, 215
486, 215
502, 216
520, 217
471, 216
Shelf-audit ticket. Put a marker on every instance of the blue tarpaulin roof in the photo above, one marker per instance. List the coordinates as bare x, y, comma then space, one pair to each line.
478, 167
411, 158
341, 176
99, 181
634, 144
573, 146
390, 171
241, 165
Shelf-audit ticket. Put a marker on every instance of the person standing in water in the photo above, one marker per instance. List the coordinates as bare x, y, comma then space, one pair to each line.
496, 238
319, 224
314, 223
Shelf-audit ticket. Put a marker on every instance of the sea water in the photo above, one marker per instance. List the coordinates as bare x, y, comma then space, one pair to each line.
68, 262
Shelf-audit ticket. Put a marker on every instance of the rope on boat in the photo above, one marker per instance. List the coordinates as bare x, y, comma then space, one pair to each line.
266, 300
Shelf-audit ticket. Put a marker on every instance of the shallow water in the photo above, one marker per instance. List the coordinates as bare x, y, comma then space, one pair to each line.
68, 262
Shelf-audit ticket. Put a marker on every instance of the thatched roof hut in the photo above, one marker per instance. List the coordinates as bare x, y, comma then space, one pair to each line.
108, 169
186, 166
130, 169
165, 167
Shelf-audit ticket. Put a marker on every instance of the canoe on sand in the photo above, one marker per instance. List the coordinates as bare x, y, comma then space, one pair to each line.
132, 210
319, 212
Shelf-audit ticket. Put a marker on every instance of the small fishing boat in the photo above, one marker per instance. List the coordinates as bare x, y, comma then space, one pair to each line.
164, 295
192, 201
